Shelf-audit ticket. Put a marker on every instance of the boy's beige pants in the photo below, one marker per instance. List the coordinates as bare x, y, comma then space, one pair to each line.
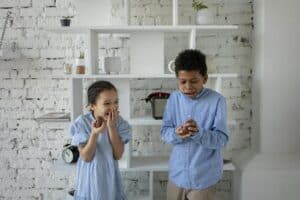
176, 193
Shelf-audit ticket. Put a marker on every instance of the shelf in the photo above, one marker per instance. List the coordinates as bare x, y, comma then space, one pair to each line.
232, 123
132, 76
121, 76
139, 163
144, 121
60, 165
152, 121
54, 117
133, 29
155, 163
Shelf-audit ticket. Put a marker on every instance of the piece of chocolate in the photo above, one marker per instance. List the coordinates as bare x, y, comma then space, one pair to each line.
99, 122
186, 127
185, 131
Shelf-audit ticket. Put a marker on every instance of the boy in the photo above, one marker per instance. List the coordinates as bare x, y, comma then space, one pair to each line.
194, 122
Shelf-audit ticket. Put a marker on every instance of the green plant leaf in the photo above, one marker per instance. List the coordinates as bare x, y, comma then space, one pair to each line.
198, 5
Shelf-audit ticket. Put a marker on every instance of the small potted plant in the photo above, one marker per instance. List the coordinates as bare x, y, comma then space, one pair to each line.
203, 15
80, 64
65, 21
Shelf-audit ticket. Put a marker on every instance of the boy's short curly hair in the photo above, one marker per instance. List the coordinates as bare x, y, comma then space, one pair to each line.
191, 59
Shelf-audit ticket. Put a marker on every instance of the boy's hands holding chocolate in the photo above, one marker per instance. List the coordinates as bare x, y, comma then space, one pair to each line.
188, 129
191, 126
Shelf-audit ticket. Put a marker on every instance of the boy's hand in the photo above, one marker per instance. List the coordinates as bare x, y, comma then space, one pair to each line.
191, 126
188, 129
182, 132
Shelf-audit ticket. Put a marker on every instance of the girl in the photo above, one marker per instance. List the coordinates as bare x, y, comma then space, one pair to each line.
100, 136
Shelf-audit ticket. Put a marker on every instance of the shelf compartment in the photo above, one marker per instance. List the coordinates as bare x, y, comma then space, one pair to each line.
147, 163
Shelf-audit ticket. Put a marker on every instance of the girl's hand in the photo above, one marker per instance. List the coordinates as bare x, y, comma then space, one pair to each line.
112, 118
97, 130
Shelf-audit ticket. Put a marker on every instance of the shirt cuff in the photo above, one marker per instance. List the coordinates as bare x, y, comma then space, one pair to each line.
179, 139
198, 135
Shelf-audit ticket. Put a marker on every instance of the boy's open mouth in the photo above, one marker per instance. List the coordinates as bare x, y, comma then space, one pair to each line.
189, 93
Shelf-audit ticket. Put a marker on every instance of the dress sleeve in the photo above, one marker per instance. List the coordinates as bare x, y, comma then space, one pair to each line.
124, 130
79, 134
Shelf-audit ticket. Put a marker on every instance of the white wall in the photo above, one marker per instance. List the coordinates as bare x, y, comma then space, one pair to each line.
93, 12
280, 88
258, 55
274, 173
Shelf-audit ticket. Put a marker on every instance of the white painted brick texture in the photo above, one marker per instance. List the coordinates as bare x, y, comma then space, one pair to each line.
32, 84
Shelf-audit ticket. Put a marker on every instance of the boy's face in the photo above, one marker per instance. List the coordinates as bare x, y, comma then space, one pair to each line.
191, 82
105, 103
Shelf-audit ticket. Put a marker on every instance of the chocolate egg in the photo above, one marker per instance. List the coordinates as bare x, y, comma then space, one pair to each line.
99, 122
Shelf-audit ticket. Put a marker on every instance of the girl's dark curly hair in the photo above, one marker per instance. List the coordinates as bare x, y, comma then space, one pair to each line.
96, 88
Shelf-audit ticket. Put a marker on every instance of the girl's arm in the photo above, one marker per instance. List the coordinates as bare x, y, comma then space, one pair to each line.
87, 151
116, 143
115, 139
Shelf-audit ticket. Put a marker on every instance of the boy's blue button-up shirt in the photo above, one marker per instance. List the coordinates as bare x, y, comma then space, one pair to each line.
196, 162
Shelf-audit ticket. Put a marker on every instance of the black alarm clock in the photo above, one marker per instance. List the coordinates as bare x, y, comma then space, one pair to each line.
70, 153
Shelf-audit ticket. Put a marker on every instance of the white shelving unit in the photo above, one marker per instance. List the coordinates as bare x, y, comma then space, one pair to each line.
146, 62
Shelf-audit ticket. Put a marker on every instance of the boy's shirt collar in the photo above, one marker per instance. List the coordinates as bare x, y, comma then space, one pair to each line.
201, 93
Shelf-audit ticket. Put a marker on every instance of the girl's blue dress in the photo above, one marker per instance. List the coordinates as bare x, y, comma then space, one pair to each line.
99, 179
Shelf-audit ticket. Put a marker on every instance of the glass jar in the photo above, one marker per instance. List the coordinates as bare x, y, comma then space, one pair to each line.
80, 66
67, 68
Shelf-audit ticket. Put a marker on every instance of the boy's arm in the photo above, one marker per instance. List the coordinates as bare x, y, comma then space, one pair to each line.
217, 137
167, 132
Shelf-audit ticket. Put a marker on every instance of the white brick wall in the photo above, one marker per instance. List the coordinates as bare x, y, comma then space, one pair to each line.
30, 86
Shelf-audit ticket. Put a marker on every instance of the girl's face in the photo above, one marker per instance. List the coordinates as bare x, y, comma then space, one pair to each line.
105, 103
